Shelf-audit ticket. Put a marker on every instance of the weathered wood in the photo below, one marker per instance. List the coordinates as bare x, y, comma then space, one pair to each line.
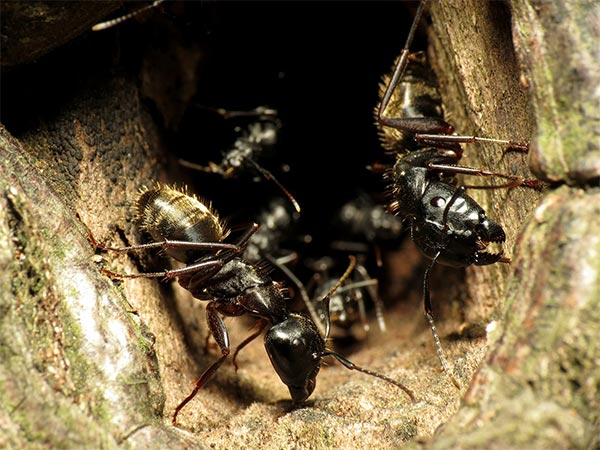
79, 157
538, 386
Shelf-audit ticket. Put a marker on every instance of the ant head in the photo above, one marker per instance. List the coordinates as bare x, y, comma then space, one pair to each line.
295, 348
457, 227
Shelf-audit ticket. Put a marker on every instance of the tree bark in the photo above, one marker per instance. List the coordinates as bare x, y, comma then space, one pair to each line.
89, 362
537, 386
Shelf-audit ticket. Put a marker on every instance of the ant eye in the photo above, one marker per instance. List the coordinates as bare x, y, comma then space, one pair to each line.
438, 202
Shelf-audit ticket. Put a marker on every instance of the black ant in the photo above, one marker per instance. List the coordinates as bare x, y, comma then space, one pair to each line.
192, 233
277, 221
364, 225
366, 220
447, 225
258, 138
254, 141
347, 306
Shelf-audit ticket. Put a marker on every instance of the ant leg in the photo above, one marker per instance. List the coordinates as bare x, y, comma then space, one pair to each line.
212, 266
261, 324
219, 332
440, 139
167, 244
375, 298
243, 241
350, 365
400, 67
118, 20
335, 287
211, 168
301, 289
515, 180
429, 315
360, 300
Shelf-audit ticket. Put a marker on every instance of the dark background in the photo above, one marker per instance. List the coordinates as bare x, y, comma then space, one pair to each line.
318, 63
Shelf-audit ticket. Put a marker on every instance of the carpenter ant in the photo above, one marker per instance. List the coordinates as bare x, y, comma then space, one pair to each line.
276, 223
255, 140
347, 306
365, 225
192, 233
447, 225
366, 220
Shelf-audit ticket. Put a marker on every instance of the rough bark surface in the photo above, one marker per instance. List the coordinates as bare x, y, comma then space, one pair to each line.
537, 386
88, 362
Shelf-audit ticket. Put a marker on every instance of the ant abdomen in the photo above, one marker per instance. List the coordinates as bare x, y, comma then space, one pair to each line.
416, 96
166, 213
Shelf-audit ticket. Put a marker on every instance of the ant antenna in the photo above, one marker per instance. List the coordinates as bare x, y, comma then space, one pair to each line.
269, 176
111, 23
327, 297
429, 315
264, 172
300, 286
350, 365
344, 361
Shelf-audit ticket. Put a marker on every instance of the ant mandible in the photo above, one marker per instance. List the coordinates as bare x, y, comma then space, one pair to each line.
446, 224
192, 233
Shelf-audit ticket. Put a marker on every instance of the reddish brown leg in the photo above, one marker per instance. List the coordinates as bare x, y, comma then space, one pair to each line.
219, 332
261, 324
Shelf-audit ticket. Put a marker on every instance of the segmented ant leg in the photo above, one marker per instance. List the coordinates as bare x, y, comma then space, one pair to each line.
344, 361
350, 365
429, 315
335, 287
219, 332
118, 20
515, 181
166, 244
211, 267
436, 139
400, 67
362, 312
211, 168
243, 241
261, 324
377, 302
